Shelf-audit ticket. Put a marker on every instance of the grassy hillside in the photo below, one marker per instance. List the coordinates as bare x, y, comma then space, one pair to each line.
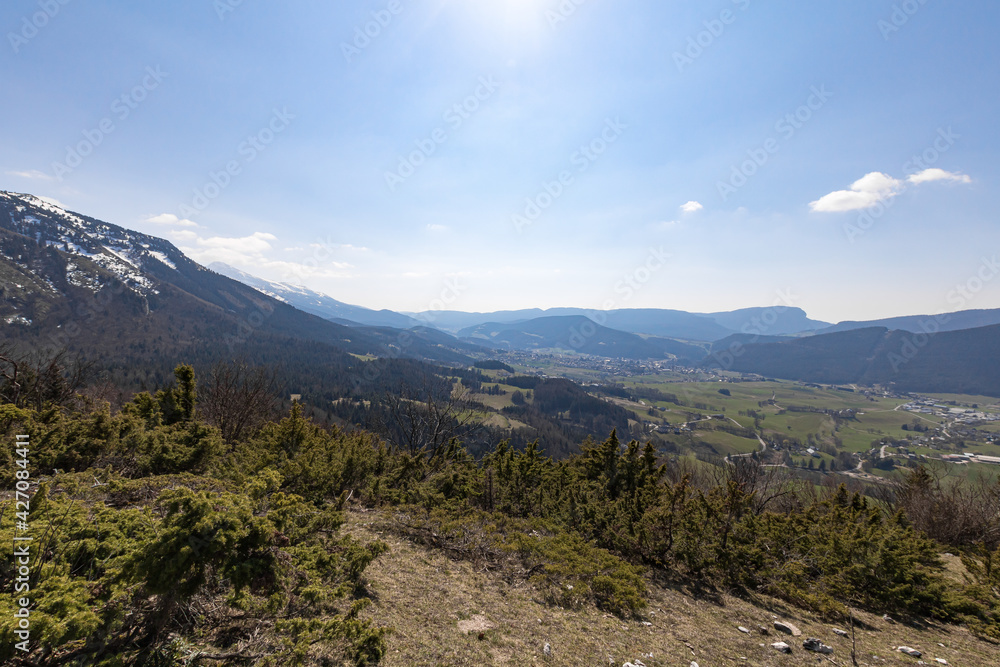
437, 605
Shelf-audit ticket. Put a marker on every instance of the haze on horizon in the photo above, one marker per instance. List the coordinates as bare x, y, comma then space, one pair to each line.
837, 157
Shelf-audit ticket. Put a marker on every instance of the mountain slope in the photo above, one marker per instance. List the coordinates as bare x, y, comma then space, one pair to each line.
94, 287
774, 321
574, 333
317, 303
964, 319
962, 362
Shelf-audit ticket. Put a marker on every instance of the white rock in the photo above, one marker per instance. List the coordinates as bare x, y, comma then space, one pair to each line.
842, 633
909, 651
781, 647
744, 630
941, 661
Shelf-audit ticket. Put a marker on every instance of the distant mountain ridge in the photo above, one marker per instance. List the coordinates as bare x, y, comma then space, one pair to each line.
963, 319
576, 333
318, 303
68, 280
679, 324
771, 321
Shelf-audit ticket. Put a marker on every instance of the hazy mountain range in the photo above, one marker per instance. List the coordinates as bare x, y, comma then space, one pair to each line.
68, 280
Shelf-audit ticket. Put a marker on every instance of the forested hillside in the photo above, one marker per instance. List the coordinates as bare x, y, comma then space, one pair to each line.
963, 361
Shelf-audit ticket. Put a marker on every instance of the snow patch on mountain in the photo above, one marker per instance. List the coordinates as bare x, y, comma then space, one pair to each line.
124, 253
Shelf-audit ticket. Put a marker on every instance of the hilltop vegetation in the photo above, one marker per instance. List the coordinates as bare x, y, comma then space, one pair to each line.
165, 537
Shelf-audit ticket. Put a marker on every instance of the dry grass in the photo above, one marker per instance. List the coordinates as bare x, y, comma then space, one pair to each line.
446, 612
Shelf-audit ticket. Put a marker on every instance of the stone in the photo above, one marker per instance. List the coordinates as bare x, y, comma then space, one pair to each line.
887, 618
781, 647
941, 661
909, 651
787, 628
763, 630
816, 646
547, 650
745, 631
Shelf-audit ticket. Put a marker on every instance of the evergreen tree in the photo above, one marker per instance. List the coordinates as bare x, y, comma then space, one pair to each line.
185, 394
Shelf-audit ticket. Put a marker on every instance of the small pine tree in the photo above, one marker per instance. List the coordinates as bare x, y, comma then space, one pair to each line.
185, 394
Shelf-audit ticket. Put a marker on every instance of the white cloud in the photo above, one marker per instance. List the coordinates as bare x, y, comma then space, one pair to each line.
252, 253
934, 174
31, 174
865, 192
255, 244
692, 207
236, 251
436, 228
182, 235
874, 187
170, 219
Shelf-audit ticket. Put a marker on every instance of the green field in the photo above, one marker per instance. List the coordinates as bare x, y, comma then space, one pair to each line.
790, 416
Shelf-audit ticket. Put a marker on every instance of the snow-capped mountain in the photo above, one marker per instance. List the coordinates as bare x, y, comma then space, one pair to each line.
318, 303
130, 257
68, 281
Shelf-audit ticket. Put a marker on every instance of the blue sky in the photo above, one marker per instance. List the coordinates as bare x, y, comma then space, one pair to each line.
530, 153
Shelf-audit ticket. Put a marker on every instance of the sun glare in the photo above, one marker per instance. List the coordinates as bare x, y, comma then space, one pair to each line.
509, 15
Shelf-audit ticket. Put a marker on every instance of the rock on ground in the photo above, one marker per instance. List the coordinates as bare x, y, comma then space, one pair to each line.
787, 628
816, 646
781, 647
